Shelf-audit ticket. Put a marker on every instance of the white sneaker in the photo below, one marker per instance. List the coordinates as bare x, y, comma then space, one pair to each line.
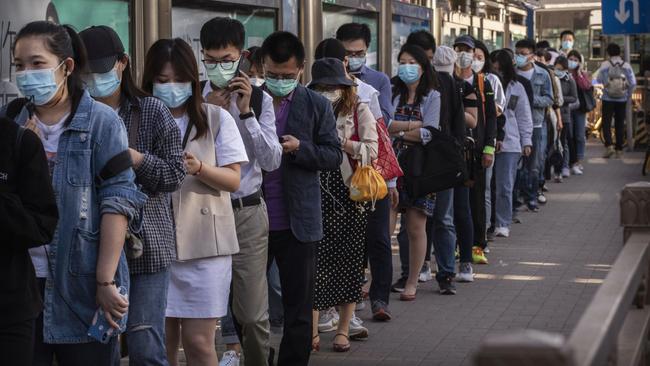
360, 306
327, 321
566, 173
541, 198
229, 358
576, 170
357, 330
465, 273
502, 232
425, 273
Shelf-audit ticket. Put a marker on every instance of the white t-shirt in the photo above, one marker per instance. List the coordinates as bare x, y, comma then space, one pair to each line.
228, 144
50, 136
370, 95
527, 74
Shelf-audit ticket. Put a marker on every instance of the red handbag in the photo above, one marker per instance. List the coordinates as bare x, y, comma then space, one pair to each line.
386, 163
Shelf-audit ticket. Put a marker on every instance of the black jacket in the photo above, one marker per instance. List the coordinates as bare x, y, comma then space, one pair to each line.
485, 133
28, 218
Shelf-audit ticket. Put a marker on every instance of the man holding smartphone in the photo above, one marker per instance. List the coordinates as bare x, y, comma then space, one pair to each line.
222, 42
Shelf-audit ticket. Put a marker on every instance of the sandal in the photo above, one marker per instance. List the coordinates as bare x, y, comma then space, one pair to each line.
315, 345
341, 347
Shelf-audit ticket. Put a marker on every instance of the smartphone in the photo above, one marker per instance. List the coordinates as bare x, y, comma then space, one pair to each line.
101, 330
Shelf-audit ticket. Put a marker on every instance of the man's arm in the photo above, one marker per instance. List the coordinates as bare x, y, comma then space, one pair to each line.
546, 98
385, 96
323, 153
490, 120
268, 150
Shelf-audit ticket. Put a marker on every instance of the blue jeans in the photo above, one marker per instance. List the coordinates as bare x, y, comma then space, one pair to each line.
579, 125
146, 322
505, 170
276, 312
534, 166
488, 195
379, 251
444, 234
463, 223
541, 159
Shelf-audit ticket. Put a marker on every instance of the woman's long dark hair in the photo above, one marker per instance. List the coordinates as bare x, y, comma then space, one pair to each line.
506, 68
64, 42
128, 86
180, 55
428, 79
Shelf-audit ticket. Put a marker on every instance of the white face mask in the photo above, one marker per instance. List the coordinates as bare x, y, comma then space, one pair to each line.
477, 65
464, 59
257, 81
332, 95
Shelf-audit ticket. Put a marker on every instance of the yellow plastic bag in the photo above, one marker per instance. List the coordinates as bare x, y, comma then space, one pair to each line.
367, 185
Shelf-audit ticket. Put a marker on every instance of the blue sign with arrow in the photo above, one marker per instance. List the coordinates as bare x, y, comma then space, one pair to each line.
626, 16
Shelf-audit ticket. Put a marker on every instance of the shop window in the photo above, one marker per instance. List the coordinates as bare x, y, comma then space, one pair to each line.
335, 16
402, 27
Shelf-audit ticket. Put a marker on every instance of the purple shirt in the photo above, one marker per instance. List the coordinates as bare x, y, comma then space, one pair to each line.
273, 192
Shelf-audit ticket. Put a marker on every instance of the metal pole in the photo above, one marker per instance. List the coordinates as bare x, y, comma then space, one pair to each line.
311, 29
629, 117
384, 40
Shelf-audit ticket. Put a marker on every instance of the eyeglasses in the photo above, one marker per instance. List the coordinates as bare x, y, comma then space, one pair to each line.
270, 75
225, 64
355, 53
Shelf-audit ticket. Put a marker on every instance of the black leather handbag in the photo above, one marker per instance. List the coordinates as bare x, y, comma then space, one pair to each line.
434, 167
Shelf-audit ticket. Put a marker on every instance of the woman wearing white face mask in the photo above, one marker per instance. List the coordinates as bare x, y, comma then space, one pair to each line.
82, 268
340, 255
155, 148
205, 228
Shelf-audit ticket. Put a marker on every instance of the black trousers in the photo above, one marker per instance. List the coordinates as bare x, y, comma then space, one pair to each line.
477, 203
17, 343
297, 265
617, 110
379, 251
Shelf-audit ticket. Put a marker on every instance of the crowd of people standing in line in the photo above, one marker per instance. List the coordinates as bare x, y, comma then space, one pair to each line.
157, 209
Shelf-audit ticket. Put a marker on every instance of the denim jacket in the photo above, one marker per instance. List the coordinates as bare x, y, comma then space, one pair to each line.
542, 95
94, 135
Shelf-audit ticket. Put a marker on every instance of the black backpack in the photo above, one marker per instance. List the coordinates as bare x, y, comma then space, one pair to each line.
434, 167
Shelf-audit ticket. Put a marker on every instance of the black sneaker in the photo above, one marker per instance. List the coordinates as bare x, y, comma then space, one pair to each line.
380, 311
447, 286
399, 285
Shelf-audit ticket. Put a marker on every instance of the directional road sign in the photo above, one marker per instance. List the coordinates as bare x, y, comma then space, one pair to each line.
626, 16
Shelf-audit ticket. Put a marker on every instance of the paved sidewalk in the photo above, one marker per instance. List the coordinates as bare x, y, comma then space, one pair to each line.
542, 277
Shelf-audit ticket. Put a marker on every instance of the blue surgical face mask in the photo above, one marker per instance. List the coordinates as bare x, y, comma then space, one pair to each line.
521, 60
409, 73
567, 45
560, 73
172, 94
102, 85
220, 77
281, 87
356, 63
573, 65
40, 85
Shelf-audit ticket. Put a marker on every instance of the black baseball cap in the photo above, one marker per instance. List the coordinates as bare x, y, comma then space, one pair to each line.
329, 71
103, 46
464, 40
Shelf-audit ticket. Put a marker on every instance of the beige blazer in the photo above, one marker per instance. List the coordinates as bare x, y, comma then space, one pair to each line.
365, 150
205, 223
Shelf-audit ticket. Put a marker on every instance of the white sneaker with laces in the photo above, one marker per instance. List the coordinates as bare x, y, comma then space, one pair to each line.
502, 232
541, 198
357, 330
576, 170
425, 273
465, 273
566, 173
229, 358
327, 322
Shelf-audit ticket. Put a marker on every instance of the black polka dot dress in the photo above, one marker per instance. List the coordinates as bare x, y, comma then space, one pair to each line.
340, 255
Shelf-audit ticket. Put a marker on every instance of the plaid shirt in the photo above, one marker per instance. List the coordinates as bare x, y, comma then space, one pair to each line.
160, 173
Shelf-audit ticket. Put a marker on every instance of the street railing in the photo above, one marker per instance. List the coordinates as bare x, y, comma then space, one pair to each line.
615, 327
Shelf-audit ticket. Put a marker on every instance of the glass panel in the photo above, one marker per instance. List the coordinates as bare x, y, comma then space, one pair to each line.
188, 19
335, 16
84, 13
402, 27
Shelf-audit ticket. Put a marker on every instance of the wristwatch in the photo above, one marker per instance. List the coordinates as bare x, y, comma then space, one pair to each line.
246, 115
